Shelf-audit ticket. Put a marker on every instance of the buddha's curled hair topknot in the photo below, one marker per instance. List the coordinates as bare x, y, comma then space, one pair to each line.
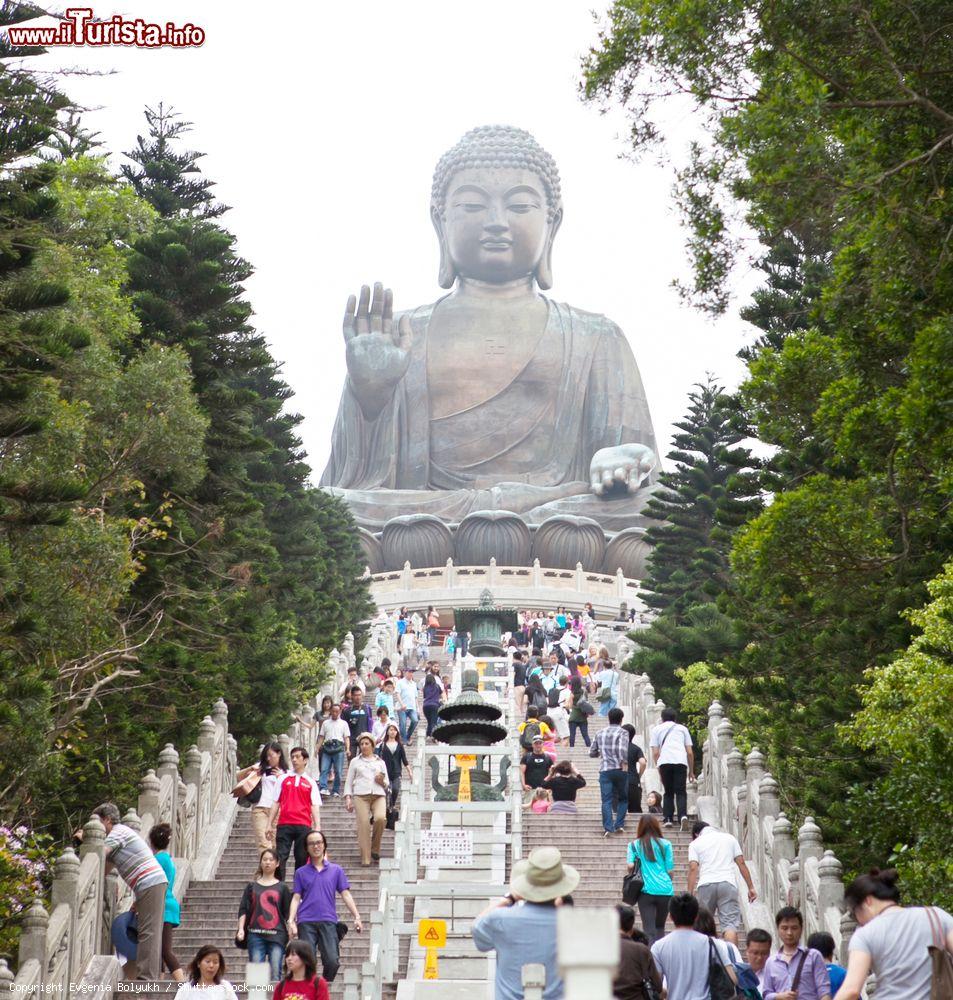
498, 146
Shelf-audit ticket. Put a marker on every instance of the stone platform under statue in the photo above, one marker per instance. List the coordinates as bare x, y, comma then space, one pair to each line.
495, 422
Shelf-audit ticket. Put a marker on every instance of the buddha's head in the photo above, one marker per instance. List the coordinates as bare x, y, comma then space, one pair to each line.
496, 206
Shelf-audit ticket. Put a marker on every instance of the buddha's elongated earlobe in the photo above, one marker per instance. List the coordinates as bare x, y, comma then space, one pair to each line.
447, 274
544, 269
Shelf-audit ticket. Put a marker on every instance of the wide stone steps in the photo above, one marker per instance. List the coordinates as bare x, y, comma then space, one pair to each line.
600, 861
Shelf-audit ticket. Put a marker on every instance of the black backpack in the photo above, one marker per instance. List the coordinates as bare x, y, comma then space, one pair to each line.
720, 983
552, 699
530, 730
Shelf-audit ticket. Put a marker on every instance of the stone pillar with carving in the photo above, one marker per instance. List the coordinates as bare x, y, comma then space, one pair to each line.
33, 936
830, 875
782, 851
754, 772
65, 892
169, 769
148, 801
94, 836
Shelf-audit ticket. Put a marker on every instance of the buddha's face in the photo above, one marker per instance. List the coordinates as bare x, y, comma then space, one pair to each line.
495, 223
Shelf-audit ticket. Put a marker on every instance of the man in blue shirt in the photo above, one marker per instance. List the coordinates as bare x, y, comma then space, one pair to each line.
521, 927
824, 943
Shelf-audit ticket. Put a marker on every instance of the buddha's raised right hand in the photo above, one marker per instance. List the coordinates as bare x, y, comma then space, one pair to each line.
378, 353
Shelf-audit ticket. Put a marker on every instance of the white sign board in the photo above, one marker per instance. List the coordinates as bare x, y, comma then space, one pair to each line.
446, 848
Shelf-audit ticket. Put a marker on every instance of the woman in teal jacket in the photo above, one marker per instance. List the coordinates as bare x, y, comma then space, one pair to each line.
159, 838
657, 860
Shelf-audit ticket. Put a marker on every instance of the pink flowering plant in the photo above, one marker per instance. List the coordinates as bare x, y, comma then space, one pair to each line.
26, 866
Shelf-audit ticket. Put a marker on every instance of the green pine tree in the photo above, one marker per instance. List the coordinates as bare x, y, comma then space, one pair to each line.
711, 492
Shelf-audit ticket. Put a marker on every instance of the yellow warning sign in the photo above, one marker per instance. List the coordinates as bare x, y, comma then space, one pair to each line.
430, 964
432, 934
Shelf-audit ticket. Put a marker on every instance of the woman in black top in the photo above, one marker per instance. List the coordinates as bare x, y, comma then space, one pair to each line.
635, 774
391, 752
263, 915
535, 695
564, 781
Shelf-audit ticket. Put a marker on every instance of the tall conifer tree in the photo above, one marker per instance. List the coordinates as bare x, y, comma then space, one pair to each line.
712, 490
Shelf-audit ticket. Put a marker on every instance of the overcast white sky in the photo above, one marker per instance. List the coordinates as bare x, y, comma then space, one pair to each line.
322, 130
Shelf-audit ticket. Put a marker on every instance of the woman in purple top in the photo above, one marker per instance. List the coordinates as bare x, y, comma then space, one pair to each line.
433, 696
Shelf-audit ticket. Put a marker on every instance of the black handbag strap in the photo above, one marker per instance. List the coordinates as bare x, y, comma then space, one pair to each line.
800, 969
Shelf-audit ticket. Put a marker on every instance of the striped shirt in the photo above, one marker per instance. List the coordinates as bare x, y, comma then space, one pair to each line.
612, 744
135, 862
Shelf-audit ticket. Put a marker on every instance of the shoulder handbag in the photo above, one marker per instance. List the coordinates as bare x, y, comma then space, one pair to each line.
248, 790
585, 707
633, 884
604, 694
941, 961
649, 990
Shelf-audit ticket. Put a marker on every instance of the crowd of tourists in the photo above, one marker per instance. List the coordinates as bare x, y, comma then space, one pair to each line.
556, 692
360, 736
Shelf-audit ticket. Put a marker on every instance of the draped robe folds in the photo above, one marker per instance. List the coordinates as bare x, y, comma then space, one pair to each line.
518, 450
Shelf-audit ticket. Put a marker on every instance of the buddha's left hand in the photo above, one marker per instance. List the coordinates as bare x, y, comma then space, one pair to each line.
621, 465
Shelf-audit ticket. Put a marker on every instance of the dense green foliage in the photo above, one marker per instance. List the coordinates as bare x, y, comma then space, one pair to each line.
907, 717
160, 544
712, 491
830, 137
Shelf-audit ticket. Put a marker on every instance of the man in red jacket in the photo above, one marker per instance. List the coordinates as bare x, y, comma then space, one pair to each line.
296, 811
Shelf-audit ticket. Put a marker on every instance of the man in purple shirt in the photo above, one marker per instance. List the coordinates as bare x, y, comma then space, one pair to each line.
313, 915
795, 972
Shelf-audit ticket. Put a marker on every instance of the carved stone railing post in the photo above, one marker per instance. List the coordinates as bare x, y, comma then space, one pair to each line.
168, 769
148, 802
207, 735
830, 873
33, 936
847, 927
794, 878
192, 770
734, 770
6, 979
782, 836
132, 819
769, 797
285, 741
94, 835
809, 842
64, 892
754, 772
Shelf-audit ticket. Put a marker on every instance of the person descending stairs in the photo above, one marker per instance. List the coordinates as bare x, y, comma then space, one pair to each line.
210, 908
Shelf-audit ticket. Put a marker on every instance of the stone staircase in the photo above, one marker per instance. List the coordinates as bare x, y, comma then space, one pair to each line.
600, 861
210, 909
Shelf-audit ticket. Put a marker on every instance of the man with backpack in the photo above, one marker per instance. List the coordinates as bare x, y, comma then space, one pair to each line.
534, 766
358, 717
532, 727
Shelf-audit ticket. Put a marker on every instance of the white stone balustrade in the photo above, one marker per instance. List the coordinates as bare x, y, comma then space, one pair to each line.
70, 942
513, 586
737, 794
